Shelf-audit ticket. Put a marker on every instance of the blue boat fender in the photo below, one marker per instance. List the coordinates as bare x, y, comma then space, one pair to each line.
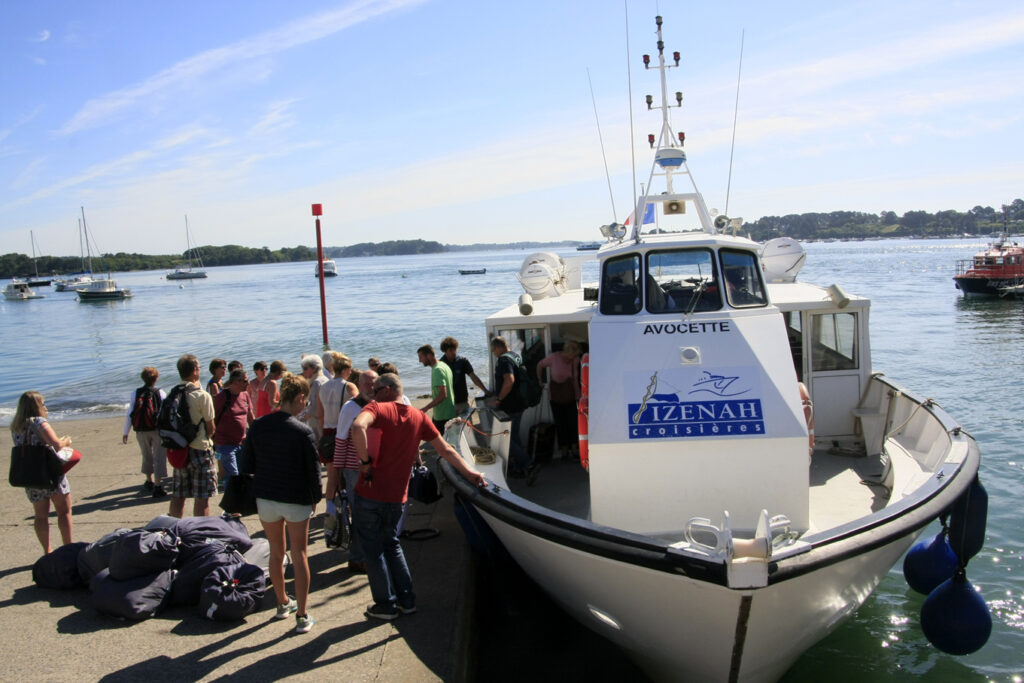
968, 516
955, 618
930, 562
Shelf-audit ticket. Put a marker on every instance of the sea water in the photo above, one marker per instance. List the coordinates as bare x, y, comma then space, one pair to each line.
967, 354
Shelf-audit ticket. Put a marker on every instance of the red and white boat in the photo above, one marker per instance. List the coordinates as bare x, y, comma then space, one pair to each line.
990, 272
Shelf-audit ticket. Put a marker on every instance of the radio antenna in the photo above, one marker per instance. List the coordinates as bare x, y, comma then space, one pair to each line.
735, 114
604, 157
629, 81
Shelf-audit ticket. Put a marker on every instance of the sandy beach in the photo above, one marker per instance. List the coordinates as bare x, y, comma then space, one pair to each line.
57, 635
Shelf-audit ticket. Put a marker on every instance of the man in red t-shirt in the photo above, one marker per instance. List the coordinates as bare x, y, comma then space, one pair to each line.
382, 488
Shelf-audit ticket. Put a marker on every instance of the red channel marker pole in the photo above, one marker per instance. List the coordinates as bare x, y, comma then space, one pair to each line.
318, 211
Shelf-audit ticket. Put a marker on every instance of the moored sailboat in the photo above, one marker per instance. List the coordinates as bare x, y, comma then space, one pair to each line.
189, 272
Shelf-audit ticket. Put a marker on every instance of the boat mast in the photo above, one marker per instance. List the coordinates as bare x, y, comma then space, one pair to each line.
85, 231
669, 157
35, 264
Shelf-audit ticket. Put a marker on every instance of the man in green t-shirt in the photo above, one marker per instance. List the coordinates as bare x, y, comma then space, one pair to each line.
442, 388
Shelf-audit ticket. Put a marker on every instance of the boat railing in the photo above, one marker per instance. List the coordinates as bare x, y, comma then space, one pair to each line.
968, 267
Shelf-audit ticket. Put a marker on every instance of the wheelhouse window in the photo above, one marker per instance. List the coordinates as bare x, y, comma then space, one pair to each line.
834, 342
682, 281
742, 276
620, 285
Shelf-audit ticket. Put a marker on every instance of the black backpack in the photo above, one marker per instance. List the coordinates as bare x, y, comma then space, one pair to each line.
527, 386
175, 421
146, 409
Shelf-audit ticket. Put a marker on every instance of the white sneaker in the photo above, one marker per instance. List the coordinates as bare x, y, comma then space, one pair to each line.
289, 608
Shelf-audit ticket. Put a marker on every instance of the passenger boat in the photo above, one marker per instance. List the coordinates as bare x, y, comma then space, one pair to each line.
330, 269
102, 289
19, 290
999, 266
188, 272
589, 246
706, 528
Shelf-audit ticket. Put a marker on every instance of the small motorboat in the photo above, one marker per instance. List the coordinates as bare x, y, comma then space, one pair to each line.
19, 290
102, 289
330, 269
472, 271
589, 246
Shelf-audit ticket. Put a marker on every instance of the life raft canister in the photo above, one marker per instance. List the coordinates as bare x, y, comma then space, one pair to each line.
583, 411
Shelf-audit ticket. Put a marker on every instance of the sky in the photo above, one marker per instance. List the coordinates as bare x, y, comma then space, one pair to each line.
467, 122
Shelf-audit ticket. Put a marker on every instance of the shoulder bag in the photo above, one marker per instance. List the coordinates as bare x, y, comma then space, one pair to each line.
35, 467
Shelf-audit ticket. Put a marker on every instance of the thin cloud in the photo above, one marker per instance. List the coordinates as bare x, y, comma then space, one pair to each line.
874, 60
41, 37
278, 117
98, 111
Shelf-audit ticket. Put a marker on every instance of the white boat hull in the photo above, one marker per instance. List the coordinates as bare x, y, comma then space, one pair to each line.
686, 614
678, 628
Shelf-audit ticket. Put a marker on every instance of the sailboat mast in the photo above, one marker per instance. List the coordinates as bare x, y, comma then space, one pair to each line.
85, 231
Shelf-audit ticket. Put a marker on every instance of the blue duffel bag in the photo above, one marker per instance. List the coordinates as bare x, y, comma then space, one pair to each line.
96, 556
232, 592
141, 552
196, 532
59, 569
188, 584
136, 599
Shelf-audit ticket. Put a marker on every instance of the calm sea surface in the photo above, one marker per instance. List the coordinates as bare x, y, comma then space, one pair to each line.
966, 354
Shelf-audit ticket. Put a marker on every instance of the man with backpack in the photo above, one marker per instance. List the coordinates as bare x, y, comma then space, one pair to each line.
508, 371
143, 409
198, 477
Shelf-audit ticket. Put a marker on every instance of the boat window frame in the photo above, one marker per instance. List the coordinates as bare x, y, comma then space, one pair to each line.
758, 297
616, 298
659, 301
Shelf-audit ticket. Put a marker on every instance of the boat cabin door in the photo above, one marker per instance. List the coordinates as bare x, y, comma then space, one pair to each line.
829, 348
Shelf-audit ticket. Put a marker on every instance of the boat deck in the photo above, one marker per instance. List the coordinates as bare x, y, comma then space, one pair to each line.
844, 486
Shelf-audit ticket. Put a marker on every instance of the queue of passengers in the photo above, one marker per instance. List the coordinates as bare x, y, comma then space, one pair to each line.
278, 427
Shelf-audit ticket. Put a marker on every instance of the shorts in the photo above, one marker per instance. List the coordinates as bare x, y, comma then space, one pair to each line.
273, 511
36, 495
198, 479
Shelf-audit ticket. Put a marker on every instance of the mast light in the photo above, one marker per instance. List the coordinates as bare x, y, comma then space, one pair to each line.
650, 140
647, 61
679, 99
675, 56
682, 138
650, 101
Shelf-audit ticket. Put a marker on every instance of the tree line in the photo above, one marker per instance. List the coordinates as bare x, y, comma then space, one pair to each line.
981, 220
20, 265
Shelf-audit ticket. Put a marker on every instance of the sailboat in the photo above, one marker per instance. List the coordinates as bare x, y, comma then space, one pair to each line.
37, 281
188, 272
72, 282
98, 289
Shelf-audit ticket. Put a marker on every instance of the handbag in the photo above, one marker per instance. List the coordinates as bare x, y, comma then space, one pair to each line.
35, 467
239, 498
423, 486
325, 446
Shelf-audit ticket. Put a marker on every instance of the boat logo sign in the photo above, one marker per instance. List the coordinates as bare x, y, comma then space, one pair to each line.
686, 402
